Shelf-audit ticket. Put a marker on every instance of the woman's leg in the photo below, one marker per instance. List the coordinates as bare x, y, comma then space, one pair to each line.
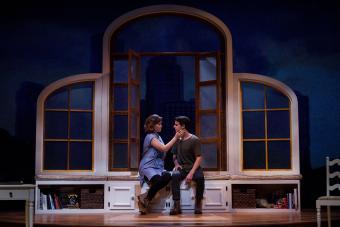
157, 183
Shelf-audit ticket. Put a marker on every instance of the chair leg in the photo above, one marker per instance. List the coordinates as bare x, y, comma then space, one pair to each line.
329, 216
318, 216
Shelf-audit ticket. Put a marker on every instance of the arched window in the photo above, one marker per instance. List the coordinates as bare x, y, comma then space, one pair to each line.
268, 132
68, 135
265, 127
169, 64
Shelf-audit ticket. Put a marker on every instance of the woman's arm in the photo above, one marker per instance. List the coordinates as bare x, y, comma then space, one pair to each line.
165, 147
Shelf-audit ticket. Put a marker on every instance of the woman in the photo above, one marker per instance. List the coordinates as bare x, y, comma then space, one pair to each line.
151, 168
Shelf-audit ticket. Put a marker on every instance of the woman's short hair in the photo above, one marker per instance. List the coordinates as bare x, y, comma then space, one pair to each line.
150, 122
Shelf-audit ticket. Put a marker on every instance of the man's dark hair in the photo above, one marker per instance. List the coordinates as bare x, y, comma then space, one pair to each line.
183, 121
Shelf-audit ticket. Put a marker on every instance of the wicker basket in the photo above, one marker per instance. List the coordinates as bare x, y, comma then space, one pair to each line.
91, 198
244, 198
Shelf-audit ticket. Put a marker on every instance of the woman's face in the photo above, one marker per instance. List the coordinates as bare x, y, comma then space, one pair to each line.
158, 127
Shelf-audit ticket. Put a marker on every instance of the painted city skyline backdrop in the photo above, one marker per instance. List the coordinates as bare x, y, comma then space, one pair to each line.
293, 42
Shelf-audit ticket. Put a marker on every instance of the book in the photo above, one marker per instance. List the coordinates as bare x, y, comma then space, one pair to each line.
48, 202
290, 201
51, 200
40, 201
56, 201
44, 201
295, 195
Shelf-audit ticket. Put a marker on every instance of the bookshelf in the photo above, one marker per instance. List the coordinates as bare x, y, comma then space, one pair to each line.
280, 196
70, 196
119, 195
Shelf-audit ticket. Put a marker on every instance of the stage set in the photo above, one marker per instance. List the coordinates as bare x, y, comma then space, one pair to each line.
89, 131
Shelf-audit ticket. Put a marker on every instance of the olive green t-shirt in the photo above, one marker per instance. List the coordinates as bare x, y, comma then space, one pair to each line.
186, 152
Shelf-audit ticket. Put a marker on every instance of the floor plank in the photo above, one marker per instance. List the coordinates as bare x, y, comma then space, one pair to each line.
304, 218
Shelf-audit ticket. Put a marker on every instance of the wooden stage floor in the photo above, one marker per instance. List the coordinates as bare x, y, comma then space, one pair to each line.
304, 218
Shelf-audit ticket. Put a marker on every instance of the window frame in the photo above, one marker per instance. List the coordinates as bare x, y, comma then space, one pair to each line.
221, 164
236, 167
218, 140
265, 110
226, 71
69, 111
94, 78
128, 113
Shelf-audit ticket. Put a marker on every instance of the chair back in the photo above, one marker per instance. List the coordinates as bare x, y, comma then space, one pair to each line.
330, 175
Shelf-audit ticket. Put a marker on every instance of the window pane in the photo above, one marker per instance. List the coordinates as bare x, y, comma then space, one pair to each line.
254, 155
81, 96
80, 125
55, 156
120, 127
57, 100
253, 125
120, 98
134, 155
207, 97
278, 124
120, 156
209, 154
276, 99
208, 126
208, 69
252, 96
167, 33
279, 155
187, 64
80, 155
56, 125
120, 73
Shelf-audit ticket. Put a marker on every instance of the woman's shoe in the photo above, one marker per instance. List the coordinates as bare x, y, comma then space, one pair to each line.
143, 203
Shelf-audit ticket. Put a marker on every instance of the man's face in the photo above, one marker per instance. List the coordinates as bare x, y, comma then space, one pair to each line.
177, 126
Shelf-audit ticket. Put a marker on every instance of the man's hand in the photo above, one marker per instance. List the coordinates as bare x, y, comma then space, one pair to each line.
188, 179
177, 167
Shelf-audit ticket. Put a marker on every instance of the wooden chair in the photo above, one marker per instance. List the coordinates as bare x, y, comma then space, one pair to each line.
328, 200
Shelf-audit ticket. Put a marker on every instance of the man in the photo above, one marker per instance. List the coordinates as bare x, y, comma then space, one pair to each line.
187, 158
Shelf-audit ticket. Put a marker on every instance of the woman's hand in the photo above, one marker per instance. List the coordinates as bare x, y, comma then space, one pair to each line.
179, 134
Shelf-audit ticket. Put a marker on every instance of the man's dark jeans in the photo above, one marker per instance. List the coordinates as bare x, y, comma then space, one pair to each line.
178, 176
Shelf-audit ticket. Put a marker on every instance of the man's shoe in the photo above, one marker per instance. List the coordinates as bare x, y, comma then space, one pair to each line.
176, 209
198, 207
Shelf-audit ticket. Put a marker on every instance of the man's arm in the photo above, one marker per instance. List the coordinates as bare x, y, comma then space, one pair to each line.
193, 169
177, 165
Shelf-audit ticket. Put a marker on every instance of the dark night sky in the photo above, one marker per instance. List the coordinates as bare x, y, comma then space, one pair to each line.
296, 42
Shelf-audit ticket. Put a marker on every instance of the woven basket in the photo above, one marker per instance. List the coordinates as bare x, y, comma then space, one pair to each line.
244, 198
92, 198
